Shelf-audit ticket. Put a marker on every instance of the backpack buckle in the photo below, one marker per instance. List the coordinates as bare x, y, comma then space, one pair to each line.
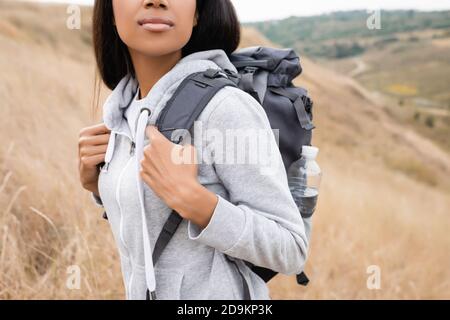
214, 73
308, 104
250, 69
231, 74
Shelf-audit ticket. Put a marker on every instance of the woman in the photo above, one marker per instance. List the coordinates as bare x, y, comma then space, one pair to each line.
232, 212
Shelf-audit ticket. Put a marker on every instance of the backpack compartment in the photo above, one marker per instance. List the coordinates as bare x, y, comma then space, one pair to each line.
283, 115
267, 75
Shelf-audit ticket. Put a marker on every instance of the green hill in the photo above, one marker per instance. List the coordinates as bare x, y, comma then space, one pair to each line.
342, 34
406, 62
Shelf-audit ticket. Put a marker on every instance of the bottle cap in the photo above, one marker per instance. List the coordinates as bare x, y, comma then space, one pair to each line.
310, 152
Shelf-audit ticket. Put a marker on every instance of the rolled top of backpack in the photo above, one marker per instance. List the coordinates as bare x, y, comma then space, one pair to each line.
283, 64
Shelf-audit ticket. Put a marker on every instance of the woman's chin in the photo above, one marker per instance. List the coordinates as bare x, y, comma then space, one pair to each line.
156, 50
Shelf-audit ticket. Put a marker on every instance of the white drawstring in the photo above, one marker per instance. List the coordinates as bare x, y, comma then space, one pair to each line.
109, 151
148, 259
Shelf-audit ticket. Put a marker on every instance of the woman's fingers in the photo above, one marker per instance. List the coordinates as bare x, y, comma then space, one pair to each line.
95, 135
97, 129
93, 150
94, 140
92, 145
92, 161
100, 139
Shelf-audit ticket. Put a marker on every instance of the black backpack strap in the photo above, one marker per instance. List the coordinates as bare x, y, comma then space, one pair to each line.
166, 234
164, 237
302, 279
247, 295
268, 274
264, 273
189, 100
299, 106
185, 105
248, 80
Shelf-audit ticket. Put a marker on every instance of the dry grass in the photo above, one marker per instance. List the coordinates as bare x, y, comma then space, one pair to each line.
374, 208
47, 222
370, 216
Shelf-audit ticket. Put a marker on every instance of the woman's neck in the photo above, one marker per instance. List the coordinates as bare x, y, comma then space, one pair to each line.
150, 69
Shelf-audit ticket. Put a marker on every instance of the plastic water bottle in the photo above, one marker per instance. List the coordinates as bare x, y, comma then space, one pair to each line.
304, 177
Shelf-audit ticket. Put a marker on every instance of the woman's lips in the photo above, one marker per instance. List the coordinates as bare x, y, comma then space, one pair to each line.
156, 24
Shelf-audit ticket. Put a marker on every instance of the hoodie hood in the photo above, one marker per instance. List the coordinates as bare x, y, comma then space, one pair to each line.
154, 102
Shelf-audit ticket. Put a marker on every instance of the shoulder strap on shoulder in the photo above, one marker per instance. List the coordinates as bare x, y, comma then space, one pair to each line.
186, 104
180, 112
189, 100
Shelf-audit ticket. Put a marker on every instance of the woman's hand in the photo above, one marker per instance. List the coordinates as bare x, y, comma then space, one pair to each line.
92, 145
171, 171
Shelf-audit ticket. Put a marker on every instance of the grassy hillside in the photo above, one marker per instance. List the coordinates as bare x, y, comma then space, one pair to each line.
47, 222
384, 199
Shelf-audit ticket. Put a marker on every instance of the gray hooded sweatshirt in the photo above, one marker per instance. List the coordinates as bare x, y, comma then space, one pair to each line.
255, 220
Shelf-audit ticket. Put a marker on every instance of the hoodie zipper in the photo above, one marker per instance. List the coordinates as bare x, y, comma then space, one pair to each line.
131, 153
133, 143
120, 206
133, 146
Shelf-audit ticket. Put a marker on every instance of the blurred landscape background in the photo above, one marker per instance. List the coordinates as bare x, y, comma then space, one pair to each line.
382, 116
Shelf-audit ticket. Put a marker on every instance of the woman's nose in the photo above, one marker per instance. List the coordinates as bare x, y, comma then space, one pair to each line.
155, 3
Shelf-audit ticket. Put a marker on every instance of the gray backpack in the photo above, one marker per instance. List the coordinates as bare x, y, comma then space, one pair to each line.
266, 74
